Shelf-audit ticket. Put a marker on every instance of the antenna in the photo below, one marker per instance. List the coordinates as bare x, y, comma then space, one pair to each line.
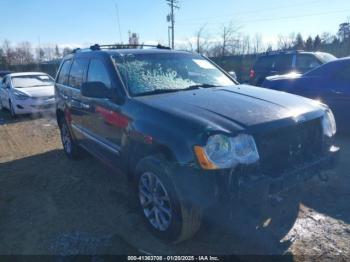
118, 22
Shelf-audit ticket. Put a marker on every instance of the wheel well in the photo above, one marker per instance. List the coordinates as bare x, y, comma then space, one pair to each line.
154, 150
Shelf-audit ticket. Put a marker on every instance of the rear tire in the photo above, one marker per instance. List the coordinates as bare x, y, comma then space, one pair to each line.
165, 214
70, 145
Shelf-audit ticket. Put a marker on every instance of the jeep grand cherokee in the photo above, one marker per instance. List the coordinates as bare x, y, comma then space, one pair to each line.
186, 133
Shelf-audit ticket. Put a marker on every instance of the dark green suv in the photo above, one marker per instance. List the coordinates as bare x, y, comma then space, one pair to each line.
188, 135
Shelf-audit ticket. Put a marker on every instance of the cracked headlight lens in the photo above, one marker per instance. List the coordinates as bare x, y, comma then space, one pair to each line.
227, 152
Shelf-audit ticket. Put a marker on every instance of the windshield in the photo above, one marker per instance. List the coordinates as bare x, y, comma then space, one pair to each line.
156, 73
31, 81
325, 57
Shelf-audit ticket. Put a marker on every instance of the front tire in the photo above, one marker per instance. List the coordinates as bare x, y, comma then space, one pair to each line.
12, 111
165, 214
70, 145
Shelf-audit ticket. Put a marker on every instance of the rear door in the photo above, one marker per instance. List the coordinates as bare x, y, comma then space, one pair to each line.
75, 105
262, 68
282, 65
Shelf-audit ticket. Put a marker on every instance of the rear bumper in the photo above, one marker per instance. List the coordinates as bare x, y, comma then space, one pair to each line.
205, 188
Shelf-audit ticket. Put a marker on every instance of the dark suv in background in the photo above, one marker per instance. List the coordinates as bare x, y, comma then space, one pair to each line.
279, 63
186, 134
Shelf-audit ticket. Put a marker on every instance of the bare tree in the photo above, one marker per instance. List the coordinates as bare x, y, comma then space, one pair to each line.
201, 39
257, 43
246, 45
229, 39
285, 42
23, 54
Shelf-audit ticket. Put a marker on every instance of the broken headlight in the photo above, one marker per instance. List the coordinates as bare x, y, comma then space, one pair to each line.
227, 152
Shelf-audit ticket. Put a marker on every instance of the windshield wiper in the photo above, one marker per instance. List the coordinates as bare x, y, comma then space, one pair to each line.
158, 91
197, 86
162, 91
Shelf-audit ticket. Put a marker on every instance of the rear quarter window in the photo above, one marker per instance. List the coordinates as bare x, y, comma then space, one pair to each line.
62, 77
307, 62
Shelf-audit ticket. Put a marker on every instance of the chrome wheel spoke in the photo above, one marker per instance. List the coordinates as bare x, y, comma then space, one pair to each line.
155, 201
165, 210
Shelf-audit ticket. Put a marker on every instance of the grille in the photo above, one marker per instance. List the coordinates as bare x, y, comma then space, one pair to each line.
286, 148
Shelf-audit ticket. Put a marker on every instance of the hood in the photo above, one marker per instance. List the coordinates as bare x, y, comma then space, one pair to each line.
39, 91
292, 75
243, 106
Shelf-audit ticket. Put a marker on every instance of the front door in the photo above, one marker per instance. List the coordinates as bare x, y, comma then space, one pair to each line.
104, 119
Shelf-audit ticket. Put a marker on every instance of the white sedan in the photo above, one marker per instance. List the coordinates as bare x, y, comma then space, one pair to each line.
27, 93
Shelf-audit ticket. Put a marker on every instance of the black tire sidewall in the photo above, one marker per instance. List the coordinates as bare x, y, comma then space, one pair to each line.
74, 153
159, 167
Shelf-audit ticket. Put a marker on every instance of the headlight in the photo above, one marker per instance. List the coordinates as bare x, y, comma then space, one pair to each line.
227, 152
328, 124
20, 96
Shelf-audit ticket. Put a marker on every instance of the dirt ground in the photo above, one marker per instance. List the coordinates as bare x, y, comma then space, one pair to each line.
52, 205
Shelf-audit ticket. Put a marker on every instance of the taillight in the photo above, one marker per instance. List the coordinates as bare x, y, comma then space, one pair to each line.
252, 73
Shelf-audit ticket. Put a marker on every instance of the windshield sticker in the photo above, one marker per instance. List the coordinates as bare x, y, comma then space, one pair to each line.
203, 64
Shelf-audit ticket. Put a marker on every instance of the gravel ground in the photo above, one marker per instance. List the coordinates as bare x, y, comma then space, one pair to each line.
52, 205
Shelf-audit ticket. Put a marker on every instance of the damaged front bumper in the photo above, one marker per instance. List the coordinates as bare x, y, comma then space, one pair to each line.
247, 184
254, 189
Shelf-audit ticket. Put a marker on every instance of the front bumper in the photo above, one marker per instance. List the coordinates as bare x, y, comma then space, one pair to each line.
248, 184
32, 106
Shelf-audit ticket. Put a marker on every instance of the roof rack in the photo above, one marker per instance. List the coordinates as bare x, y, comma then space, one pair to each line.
276, 52
125, 46
97, 47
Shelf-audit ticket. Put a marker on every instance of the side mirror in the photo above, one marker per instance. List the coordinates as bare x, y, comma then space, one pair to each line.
233, 74
95, 90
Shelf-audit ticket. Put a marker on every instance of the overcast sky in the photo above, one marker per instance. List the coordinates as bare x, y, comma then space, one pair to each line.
81, 22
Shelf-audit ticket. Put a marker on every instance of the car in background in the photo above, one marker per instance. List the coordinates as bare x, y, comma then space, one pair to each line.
329, 83
278, 63
186, 134
27, 93
2, 74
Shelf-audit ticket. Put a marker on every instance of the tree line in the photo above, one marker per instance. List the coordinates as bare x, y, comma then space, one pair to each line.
228, 41
231, 41
24, 53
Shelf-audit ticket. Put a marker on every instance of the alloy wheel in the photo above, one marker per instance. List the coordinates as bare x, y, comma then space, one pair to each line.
155, 201
66, 139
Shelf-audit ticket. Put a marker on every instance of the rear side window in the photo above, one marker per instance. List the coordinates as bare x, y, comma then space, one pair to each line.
63, 74
76, 76
98, 73
264, 63
307, 62
283, 62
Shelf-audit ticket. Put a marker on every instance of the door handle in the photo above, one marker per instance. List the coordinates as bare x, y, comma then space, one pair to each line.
85, 106
64, 96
